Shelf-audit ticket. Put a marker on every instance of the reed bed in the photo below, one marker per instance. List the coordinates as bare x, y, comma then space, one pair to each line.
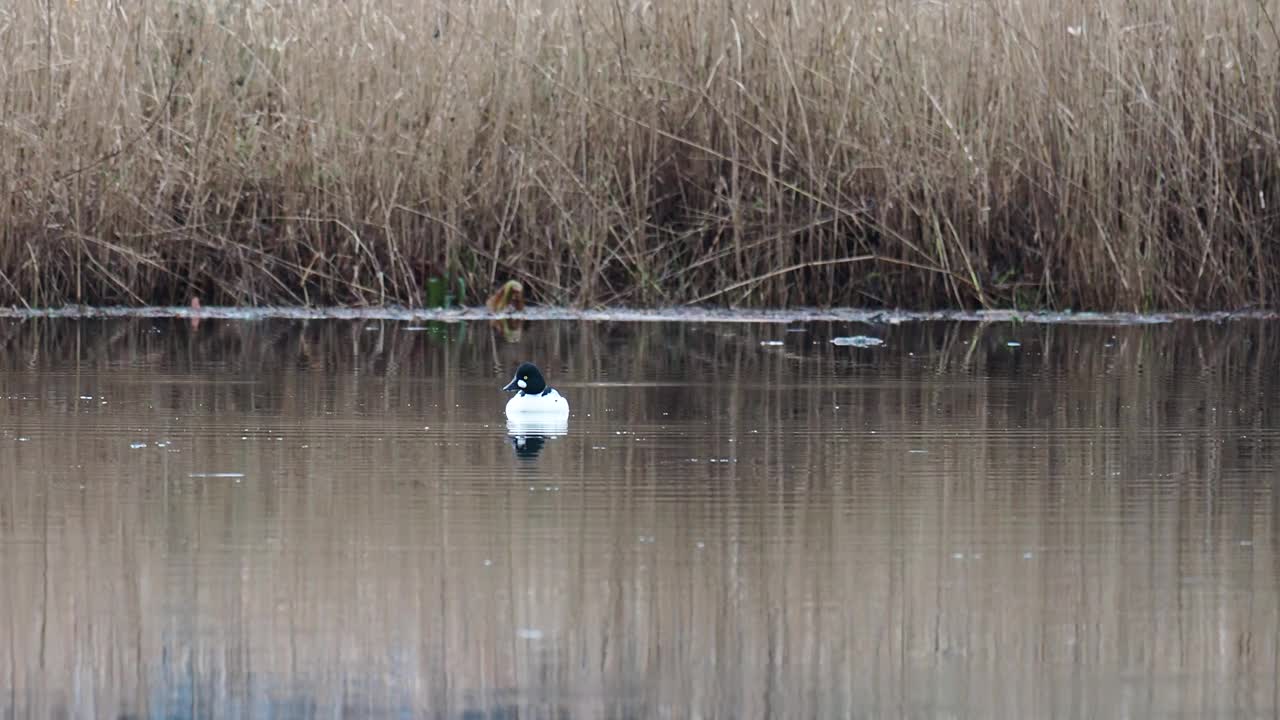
1100, 154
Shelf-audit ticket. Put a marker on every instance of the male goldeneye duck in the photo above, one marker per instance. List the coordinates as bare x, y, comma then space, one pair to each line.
533, 397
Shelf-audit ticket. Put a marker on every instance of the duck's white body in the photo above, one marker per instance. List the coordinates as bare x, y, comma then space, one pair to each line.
548, 404
543, 425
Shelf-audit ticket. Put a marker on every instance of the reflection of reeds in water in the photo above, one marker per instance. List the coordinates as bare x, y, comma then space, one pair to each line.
1092, 526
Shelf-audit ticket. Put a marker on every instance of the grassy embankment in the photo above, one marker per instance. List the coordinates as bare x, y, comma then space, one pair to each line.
1113, 154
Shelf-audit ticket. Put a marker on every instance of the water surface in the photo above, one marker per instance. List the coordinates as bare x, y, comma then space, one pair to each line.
325, 518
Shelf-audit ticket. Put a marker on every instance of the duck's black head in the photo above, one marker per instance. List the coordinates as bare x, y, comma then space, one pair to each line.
528, 379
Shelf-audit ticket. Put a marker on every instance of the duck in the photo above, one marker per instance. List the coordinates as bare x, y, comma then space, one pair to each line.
533, 398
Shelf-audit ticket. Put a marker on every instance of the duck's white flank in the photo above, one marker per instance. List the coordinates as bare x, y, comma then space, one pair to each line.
551, 403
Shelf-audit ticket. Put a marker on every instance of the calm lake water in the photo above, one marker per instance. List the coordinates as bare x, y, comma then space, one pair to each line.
284, 518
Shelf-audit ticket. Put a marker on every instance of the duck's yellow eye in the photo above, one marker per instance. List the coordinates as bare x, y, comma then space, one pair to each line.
526, 377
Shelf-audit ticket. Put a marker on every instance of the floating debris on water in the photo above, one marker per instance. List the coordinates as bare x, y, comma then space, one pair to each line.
215, 475
529, 634
771, 343
506, 298
857, 341
137, 445
1014, 343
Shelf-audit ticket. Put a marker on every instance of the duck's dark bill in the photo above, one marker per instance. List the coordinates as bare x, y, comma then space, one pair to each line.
511, 386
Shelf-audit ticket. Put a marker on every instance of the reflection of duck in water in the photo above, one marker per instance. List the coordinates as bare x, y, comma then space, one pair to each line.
529, 436
528, 446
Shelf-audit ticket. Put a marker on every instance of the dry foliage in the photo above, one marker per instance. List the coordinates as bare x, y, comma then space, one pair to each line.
1105, 154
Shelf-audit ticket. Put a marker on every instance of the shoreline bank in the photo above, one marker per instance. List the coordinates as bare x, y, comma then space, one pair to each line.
669, 314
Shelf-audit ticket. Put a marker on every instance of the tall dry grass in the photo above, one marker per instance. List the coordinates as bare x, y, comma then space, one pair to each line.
1078, 153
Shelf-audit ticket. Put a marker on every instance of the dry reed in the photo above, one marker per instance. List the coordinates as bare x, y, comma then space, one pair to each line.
1101, 154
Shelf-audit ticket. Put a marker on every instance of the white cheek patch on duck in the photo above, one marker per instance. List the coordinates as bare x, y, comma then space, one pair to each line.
522, 384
